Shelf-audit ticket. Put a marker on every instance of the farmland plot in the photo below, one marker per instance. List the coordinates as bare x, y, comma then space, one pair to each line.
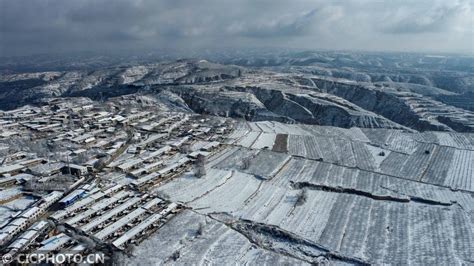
377, 136
439, 167
261, 163
270, 204
188, 187
355, 134
352, 134
430, 230
281, 128
313, 151
296, 145
192, 238
229, 197
293, 169
462, 141
463, 235
281, 143
254, 127
222, 155
249, 139
461, 171
239, 131
302, 171
326, 131
234, 159
399, 233
375, 241
471, 139
408, 166
314, 171
266, 164
333, 150
264, 126
356, 229
401, 142
378, 155
445, 139
328, 177
417, 162
392, 164
338, 219
343, 150
328, 149
264, 140
364, 158
310, 219
424, 137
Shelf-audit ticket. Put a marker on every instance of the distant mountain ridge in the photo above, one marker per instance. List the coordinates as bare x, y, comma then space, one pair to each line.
312, 94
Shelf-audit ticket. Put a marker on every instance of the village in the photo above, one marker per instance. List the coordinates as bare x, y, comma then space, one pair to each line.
79, 177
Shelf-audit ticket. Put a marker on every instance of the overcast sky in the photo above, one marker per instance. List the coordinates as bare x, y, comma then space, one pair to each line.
51, 26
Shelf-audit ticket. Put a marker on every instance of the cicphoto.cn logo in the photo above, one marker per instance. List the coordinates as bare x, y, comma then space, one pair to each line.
59, 258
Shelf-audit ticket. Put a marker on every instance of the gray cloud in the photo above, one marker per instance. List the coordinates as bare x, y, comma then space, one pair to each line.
439, 18
90, 25
289, 25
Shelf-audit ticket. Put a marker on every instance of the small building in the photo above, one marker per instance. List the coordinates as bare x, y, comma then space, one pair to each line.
47, 169
194, 155
210, 146
71, 198
7, 181
33, 162
51, 198
74, 169
11, 169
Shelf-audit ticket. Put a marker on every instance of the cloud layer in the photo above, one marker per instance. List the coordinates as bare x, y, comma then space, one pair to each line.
28, 27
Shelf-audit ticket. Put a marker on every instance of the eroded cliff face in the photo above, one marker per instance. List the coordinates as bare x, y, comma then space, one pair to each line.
311, 107
411, 109
385, 104
257, 103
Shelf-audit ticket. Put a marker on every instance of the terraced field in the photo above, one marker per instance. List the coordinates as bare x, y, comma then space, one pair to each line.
341, 195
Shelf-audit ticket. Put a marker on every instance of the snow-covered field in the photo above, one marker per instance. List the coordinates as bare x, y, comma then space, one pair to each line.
434, 157
194, 239
345, 195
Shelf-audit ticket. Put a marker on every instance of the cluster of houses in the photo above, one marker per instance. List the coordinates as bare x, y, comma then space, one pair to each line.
91, 170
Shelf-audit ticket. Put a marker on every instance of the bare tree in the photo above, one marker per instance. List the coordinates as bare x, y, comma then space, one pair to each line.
131, 249
246, 162
175, 256
28, 143
301, 198
200, 166
185, 149
81, 158
200, 229
199, 171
